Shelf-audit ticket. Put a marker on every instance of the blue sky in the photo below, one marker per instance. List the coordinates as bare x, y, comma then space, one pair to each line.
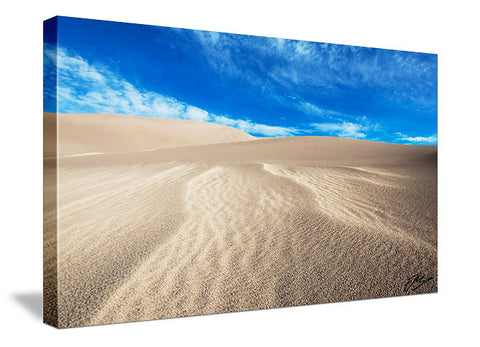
263, 86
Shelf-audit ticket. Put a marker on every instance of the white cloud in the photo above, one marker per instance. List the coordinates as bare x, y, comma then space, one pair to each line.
340, 124
80, 66
196, 113
207, 37
167, 107
278, 43
430, 139
254, 128
84, 88
314, 110
345, 129
417, 139
304, 48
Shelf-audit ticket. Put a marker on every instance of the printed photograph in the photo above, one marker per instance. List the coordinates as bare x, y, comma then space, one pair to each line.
190, 172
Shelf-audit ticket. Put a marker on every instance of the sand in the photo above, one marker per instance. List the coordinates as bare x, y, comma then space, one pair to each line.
107, 133
238, 224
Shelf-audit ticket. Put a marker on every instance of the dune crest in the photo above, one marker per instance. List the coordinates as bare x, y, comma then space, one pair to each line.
108, 133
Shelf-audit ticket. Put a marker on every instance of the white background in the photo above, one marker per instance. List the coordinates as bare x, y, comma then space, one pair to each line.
452, 31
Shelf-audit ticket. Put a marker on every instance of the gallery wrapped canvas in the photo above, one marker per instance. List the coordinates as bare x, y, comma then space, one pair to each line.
190, 172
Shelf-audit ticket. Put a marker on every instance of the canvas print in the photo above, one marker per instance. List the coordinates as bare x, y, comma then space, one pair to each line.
189, 172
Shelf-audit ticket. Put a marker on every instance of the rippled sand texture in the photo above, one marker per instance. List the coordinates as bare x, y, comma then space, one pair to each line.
242, 226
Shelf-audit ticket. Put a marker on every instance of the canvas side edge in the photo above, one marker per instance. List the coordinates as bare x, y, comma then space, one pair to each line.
50, 158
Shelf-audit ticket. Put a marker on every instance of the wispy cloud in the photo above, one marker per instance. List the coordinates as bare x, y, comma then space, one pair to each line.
340, 124
345, 129
417, 139
254, 128
314, 110
195, 113
327, 68
84, 87
335, 116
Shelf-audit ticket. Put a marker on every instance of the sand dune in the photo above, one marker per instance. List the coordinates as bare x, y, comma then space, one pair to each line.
242, 225
107, 133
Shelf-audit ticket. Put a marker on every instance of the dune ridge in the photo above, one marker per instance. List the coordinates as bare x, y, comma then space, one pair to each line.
107, 133
244, 225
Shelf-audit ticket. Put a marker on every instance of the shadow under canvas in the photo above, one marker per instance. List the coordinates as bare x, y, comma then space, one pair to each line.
32, 302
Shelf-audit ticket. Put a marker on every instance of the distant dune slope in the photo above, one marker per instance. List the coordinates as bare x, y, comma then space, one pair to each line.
107, 133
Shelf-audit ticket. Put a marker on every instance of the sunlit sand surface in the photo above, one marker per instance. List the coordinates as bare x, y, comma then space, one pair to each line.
209, 219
